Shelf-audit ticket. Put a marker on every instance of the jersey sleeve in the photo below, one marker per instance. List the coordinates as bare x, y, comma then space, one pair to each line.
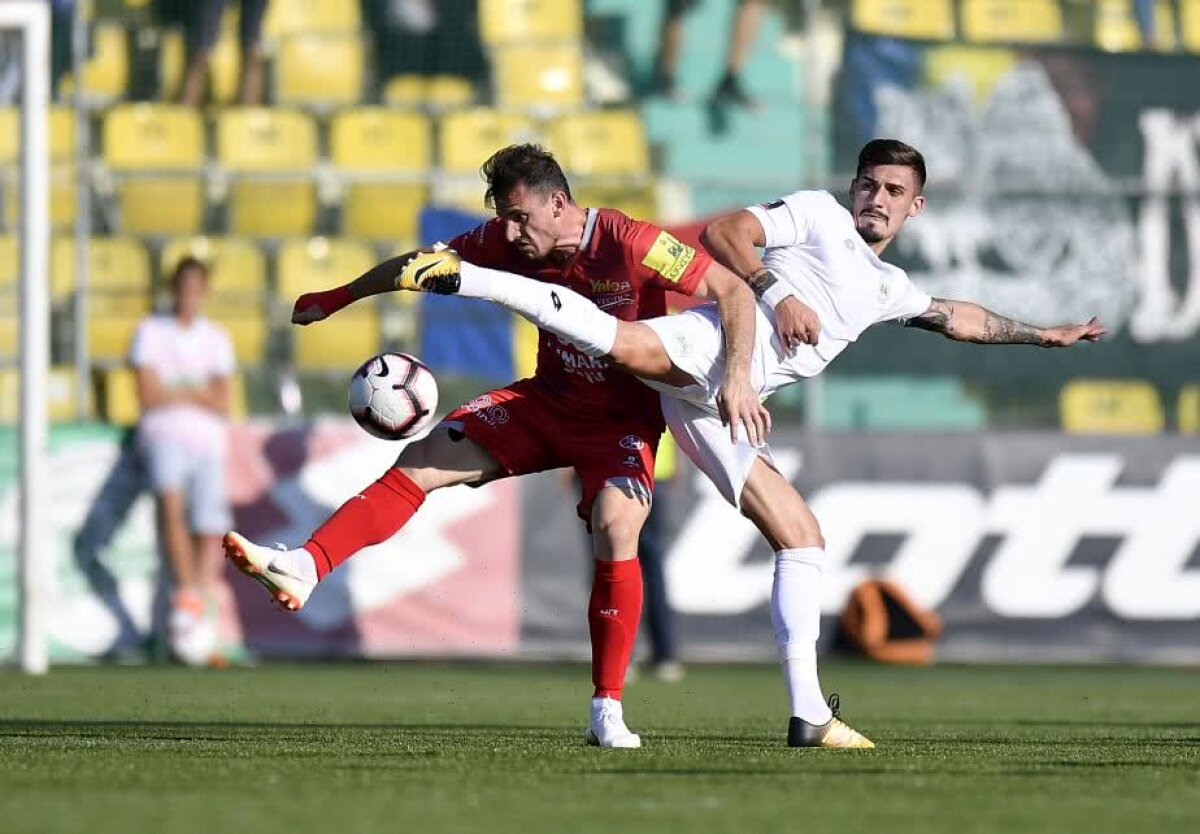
662, 260
141, 351
907, 300
790, 220
482, 246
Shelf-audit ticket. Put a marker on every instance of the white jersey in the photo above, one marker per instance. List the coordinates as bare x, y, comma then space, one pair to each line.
183, 357
813, 247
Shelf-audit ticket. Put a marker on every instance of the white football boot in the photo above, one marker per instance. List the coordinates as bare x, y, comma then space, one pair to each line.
287, 587
607, 726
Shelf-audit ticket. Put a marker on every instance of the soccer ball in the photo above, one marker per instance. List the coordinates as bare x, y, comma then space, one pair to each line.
393, 396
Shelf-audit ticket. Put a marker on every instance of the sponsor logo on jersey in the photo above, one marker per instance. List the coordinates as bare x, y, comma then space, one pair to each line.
668, 257
479, 403
632, 441
885, 292
633, 461
605, 302
608, 285
774, 204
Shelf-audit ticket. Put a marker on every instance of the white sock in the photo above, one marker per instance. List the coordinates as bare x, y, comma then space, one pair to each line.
796, 615
558, 309
299, 563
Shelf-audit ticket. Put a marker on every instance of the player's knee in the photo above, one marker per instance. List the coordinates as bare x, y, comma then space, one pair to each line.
615, 534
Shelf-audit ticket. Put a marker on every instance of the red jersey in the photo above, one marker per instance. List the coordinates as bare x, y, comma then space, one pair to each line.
625, 266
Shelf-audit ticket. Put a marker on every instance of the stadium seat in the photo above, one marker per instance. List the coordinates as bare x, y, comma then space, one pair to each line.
236, 265
63, 183
118, 273
469, 137
1188, 410
1116, 26
924, 19
606, 142
62, 135
110, 330
342, 342
981, 67
1097, 406
1028, 21
157, 151
540, 77
526, 21
271, 153
106, 74
319, 70
320, 263
119, 395
8, 333
437, 92
292, 17
60, 394
10, 270
248, 329
638, 201
64, 194
370, 146
1189, 24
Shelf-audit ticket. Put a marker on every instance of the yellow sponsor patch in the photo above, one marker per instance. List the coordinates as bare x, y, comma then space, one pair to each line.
668, 257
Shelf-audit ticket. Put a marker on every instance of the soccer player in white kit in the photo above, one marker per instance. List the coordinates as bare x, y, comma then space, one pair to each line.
820, 284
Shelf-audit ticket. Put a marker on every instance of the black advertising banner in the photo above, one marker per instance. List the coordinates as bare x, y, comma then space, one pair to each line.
1031, 546
1063, 183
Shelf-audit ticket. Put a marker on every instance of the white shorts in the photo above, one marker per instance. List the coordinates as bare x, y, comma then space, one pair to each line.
201, 479
700, 435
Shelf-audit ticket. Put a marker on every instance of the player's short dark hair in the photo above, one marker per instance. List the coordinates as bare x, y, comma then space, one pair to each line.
186, 264
530, 164
892, 152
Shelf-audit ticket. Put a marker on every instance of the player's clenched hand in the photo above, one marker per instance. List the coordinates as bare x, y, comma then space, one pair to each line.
739, 405
796, 323
315, 306
1068, 334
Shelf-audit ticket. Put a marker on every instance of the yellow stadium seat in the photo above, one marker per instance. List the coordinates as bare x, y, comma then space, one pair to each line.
523, 21
344, 341
320, 263
248, 329
110, 332
368, 146
106, 74
118, 272
64, 194
601, 143
10, 269
924, 19
1096, 406
8, 333
271, 153
1188, 411
1116, 26
60, 394
469, 137
62, 135
291, 17
121, 406
1026, 21
638, 201
236, 265
1189, 24
319, 70
541, 77
981, 67
157, 151
437, 92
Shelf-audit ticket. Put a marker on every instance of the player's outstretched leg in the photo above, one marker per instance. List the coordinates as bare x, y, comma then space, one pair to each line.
560, 310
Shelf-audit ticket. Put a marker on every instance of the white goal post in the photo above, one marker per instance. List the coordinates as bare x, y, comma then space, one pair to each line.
32, 19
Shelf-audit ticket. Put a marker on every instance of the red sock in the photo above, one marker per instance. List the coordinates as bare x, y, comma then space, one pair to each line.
613, 614
372, 516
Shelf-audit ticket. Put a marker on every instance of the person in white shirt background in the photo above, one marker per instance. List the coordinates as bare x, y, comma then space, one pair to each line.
184, 364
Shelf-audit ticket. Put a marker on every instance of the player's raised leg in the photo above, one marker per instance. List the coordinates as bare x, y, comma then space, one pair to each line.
370, 517
615, 608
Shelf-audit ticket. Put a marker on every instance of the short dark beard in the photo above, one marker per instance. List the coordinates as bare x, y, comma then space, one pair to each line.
870, 235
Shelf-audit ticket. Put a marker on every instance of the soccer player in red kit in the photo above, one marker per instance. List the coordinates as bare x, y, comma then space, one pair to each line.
576, 411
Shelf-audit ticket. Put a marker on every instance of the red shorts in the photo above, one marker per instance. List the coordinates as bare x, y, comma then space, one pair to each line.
525, 431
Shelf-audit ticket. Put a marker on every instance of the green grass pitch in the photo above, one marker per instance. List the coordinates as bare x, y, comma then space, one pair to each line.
416, 747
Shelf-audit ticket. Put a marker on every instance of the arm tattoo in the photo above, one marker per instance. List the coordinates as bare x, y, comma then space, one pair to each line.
998, 330
936, 319
761, 281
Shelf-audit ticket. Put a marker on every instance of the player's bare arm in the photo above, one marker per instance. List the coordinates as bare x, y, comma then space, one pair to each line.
737, 400
734, 240
964, 321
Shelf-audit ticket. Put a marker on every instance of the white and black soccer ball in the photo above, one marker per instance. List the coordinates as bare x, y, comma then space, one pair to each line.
393, 395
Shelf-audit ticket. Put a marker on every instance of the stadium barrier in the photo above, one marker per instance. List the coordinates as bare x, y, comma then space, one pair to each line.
1029, 546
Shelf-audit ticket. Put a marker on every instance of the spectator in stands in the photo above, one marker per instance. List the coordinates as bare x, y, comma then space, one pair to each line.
424, 37
202, 26
184, 364
747, 18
